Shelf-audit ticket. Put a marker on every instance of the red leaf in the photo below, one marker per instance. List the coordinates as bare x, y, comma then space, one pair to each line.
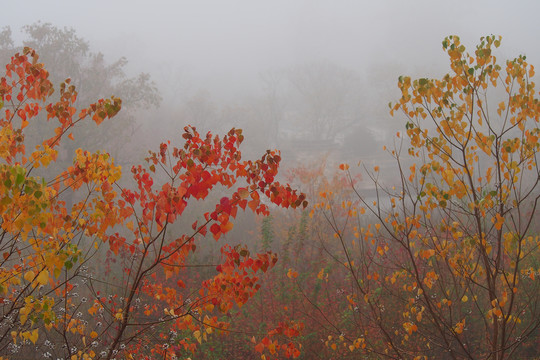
202, 230
259, 347
216, 230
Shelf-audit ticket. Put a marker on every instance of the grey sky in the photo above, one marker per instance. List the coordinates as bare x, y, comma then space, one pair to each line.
234, 40
218, 49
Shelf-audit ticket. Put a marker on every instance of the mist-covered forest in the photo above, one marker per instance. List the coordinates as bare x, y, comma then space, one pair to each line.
281, 180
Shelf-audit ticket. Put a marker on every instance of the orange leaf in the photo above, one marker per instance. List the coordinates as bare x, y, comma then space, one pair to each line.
243, 193
291, 274
226, 227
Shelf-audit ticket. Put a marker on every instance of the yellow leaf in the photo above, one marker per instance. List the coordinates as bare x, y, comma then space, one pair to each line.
197, 335
464, 298
320, 274
29, 276
23, 317
33, 336
93, 334
43, 277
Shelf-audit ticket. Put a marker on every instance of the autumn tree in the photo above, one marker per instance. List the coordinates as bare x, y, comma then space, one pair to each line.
444, 263
67, 55
42, 240
300, 291
55, 300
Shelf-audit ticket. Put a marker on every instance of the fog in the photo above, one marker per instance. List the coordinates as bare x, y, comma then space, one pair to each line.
313, 79
229, 57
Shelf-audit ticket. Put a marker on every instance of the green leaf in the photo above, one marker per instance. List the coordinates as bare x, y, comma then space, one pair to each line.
20, 179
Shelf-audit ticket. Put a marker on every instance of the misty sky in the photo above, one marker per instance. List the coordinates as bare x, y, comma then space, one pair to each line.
232, 41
